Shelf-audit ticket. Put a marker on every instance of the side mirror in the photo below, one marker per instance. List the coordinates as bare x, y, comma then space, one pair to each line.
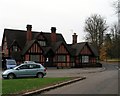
17, 68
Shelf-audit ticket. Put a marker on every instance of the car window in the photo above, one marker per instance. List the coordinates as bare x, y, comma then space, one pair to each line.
36, 66
31, 66
24, 67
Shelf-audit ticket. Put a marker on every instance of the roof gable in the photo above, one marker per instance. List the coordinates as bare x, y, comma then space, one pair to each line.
31, 47
79, 46
40, 36
62, 49
57, 45
15, 43
27, 46
86, 50
94, 50
48, 51
17, 35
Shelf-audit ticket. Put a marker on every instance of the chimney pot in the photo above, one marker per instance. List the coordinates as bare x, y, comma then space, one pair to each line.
29, 27
74, 38
29, 32
74, 33
53, 35
53, 29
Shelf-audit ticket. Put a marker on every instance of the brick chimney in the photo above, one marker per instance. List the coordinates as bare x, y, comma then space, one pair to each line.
29, 32
53, 35
74, 38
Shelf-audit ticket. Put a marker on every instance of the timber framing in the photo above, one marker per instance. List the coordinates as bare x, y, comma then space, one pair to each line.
47, 48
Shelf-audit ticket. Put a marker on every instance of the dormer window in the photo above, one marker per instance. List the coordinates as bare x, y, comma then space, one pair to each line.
42, 43
15, 48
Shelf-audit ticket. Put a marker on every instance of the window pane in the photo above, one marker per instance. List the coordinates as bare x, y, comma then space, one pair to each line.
62, 58
31, 66
15, 48
34, 58
85, 59
24, 67
42, 43
36, 66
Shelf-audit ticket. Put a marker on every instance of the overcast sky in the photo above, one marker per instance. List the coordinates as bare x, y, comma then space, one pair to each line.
68, 16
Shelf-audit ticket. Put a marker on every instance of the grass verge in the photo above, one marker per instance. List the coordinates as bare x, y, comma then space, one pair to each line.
113, 60
17, 86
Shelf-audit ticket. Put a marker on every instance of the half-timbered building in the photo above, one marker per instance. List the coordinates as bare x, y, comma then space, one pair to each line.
47, 48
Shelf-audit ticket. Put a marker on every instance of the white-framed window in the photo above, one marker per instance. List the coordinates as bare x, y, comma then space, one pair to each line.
61, 58
85, 59
15, 48
42, 43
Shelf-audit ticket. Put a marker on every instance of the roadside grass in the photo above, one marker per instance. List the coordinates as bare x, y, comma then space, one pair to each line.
0, 87
113, 60
17, 86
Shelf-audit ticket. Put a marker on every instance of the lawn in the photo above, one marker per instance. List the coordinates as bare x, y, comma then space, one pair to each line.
113, 60
16, 86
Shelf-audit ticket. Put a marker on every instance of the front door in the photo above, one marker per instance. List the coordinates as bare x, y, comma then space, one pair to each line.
49, 59
49, 62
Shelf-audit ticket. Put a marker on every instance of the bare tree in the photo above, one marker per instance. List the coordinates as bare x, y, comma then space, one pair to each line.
116, 5
95, 26
115, 41
114, 30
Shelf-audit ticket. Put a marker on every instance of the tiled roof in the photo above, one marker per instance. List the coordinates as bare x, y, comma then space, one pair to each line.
94, 49
47, 50
27, 46
19, 36
16, 55
78, 47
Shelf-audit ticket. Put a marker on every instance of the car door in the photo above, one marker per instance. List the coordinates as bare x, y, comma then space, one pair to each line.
32, 70
22, 71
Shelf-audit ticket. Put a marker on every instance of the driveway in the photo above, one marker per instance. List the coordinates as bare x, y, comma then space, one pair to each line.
103, 83
73, 72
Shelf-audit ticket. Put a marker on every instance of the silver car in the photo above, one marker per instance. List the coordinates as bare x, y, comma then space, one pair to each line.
29, 62
25, 70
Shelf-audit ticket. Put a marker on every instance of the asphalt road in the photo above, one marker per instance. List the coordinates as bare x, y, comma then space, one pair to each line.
72, 72
105, 82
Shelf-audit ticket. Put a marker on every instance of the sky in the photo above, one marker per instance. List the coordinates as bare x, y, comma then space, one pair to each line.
68, 16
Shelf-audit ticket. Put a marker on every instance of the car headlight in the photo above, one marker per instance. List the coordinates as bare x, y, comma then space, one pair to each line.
5, 72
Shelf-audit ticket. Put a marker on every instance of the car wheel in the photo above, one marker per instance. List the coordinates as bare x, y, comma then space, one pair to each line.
40, 75
11, 76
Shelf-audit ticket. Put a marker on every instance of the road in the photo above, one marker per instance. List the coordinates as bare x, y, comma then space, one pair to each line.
105, 82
